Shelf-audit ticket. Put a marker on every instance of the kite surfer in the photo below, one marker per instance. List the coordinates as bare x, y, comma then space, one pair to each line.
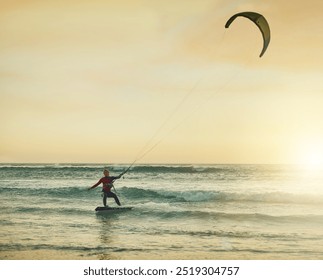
107, 182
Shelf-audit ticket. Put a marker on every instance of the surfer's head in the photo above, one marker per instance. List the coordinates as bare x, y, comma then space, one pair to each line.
106, 172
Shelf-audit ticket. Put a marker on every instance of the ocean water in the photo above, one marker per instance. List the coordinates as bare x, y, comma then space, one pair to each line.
180, 212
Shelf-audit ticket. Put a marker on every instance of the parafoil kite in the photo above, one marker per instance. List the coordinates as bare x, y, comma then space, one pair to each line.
260, 21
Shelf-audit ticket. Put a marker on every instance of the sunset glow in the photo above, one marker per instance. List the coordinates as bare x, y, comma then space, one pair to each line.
95, 81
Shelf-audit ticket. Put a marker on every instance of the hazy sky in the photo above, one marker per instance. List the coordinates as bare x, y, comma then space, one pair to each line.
94, 81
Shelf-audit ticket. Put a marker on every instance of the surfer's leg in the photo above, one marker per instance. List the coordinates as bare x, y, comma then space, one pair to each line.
117, 200
111, 194
105, 199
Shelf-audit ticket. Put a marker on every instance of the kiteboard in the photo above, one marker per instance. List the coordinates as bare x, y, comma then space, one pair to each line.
112, 208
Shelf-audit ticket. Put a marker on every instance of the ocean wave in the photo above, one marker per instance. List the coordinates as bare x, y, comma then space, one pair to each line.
51, 211
169, 211
220, 196
62, 192
89, 250
148, 194
177, 169
273, 197
117, 168
230, 234
173, 212
53, 168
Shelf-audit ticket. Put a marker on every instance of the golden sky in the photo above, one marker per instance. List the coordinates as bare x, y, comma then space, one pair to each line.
94, 81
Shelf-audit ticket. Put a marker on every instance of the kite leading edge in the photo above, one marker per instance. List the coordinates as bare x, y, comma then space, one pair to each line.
260, 21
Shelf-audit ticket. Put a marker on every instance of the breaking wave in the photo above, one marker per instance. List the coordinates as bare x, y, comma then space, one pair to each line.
147, 194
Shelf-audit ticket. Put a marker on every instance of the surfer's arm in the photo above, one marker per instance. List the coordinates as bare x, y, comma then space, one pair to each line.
116, 177
94, 186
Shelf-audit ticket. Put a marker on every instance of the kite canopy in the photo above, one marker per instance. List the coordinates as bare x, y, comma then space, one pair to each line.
260, 21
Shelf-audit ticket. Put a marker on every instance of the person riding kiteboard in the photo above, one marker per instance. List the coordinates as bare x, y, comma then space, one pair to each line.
107, 182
